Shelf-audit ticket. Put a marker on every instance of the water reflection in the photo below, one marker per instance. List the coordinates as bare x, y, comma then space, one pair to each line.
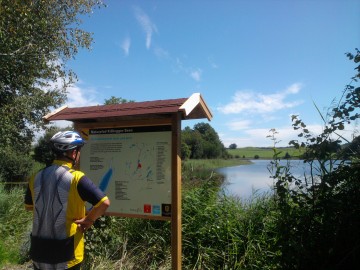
243, 180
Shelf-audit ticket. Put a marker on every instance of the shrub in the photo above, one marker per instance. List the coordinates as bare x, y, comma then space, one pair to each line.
15, 166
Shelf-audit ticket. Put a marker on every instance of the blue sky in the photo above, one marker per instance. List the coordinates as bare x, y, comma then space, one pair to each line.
254, 62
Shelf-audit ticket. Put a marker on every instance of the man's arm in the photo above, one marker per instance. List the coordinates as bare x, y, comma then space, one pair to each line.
92, 194
93, 215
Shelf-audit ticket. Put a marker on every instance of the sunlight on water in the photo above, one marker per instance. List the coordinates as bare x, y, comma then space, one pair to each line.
243, 180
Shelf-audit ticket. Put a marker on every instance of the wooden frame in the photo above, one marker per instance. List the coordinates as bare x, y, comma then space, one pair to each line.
138, 114
175, 218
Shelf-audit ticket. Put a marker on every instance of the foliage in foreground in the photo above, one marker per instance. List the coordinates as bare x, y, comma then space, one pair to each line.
37, 38
320, 212
218, 232
15, 223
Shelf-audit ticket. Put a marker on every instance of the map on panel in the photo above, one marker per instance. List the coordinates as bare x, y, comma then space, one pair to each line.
132, 166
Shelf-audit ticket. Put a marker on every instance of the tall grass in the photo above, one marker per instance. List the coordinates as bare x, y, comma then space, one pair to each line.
15, 224
219, 232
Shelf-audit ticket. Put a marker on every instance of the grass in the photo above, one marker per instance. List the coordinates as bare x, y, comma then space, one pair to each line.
15, 225
264, 152
218, 232
212, 164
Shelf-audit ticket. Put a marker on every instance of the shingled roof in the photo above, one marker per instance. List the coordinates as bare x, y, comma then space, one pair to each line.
191, 108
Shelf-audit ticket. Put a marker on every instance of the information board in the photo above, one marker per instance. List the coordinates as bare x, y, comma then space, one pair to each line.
132, 165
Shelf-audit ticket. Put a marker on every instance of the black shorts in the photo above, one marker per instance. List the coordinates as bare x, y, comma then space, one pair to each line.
75, 267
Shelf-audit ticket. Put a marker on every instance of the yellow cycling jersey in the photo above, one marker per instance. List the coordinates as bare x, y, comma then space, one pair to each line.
57, 195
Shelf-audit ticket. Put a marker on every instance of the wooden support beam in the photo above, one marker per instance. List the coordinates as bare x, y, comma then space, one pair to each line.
176, 239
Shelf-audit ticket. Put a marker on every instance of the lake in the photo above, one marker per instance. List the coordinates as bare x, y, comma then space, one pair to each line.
242, 180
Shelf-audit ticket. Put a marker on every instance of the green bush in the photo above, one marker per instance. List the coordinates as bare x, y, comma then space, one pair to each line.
15, 166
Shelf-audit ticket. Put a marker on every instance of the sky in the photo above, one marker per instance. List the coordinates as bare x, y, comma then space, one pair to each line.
255, 63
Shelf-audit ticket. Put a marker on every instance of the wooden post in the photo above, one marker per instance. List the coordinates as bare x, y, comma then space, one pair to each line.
176, 247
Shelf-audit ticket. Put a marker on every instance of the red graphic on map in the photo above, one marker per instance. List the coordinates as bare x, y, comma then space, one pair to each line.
147, 208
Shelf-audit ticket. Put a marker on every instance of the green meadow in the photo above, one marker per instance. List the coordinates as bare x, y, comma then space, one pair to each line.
264, 152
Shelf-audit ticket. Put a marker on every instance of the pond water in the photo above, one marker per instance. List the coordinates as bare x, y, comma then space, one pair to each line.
243, 180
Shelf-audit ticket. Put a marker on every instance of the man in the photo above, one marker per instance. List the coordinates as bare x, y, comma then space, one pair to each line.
57, 196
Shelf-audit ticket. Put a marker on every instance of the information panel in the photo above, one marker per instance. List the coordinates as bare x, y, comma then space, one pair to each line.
132, 165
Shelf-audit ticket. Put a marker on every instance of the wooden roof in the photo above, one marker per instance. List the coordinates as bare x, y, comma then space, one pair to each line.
191, 108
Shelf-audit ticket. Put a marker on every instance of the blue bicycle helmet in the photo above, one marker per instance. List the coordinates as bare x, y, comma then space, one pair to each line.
66, 140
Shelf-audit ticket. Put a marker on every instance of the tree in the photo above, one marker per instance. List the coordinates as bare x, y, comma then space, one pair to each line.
287, 155
185, 151
37, 37
116, 100
213, 148
43, 152
194, 142
233, 146
203, 142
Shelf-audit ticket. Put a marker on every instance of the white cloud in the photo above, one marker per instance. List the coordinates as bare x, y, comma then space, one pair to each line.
177, 64
258, 137
239, 125
147, 25
252, 102
196, 74
80, 97
125, 45
161, 53
294, 88
62, 123
77, 95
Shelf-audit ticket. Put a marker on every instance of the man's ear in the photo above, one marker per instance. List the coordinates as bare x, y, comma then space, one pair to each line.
70, 154
74, 153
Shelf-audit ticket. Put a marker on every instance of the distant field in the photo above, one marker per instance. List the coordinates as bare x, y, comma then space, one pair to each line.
263, 152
